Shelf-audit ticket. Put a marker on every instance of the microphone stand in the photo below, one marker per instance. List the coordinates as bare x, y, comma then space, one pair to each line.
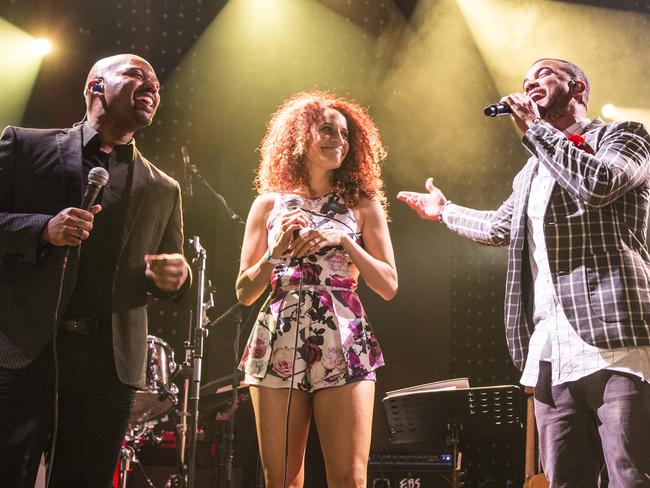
192, 170
196, 346
200, 334
235, 310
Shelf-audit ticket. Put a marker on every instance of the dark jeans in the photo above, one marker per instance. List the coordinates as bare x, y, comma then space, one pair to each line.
602, 417
94, 407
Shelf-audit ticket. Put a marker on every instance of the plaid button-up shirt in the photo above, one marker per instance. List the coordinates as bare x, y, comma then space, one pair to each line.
595, 231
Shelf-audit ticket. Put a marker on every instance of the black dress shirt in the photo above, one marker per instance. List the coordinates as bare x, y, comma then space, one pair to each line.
92, 294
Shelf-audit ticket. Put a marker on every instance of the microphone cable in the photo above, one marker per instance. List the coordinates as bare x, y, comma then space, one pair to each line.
295, 345
330, 218
293, 375
55, 356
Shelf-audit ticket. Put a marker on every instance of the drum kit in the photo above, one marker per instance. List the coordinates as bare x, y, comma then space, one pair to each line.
150, 406
159, 403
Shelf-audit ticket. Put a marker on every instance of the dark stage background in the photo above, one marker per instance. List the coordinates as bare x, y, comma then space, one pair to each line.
424, 69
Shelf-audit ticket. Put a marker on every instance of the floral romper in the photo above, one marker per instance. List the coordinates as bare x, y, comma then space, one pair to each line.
336, 344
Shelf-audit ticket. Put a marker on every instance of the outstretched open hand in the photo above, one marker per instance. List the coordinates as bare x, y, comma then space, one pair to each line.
426, 205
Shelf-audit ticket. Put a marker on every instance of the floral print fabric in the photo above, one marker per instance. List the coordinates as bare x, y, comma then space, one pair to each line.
335, 341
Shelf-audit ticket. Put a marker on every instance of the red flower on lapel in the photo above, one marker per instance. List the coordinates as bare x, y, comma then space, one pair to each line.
579, 142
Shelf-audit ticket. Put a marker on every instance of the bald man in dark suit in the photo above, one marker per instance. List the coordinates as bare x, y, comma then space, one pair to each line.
74, 282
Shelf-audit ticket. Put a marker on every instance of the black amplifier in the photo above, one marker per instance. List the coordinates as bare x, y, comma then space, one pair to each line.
409, 470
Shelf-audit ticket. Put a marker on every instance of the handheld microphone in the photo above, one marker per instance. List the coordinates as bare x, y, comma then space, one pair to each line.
187, 172
292, 202
497, 110
97, 178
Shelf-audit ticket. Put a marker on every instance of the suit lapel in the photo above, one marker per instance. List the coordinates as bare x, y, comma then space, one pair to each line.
69, 147
140, 186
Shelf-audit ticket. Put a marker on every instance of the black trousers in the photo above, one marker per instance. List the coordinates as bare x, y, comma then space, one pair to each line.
94, 408
601, 417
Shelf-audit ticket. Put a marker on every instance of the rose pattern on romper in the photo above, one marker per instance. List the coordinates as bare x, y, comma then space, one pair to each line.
333, 359
310, 274
281, 362
310, 350
259, 349
356, 327
326, 301
354, 361
276, 278
278, 301
317, 372
351, 300
338, 281
338, 261
374, 352
335, 338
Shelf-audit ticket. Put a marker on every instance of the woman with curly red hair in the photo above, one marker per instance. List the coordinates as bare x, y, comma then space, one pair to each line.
318, 223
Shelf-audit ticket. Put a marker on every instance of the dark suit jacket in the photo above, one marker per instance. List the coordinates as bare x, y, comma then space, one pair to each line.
40, 175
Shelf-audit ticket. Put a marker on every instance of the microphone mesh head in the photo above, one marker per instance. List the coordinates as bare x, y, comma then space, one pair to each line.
292, 202
98, 176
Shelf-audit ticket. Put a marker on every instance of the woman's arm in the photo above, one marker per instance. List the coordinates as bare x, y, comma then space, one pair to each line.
254, 271
376, 260
254, 268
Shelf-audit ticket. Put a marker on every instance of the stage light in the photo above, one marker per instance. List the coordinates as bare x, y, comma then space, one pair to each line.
617, 113
608, 111
41, 47
20, 64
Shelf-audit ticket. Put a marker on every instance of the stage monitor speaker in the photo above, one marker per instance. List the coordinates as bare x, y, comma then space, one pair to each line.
395, 477
409, 470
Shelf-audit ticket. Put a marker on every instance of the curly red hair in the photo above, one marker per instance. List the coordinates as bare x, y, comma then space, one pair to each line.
282, 151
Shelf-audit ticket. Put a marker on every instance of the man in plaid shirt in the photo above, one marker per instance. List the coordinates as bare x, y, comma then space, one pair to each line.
577, 306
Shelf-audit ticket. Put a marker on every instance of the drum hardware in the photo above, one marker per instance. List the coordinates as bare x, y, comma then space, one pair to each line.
150, 405
159, 396
133, 440
184, 478
194, 346
200, 333
236, 311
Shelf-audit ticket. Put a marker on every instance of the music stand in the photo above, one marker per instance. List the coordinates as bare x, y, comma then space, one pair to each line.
426, 415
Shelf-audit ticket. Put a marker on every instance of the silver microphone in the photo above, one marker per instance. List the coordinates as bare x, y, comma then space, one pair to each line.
97, 178
497, 110
292, 202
